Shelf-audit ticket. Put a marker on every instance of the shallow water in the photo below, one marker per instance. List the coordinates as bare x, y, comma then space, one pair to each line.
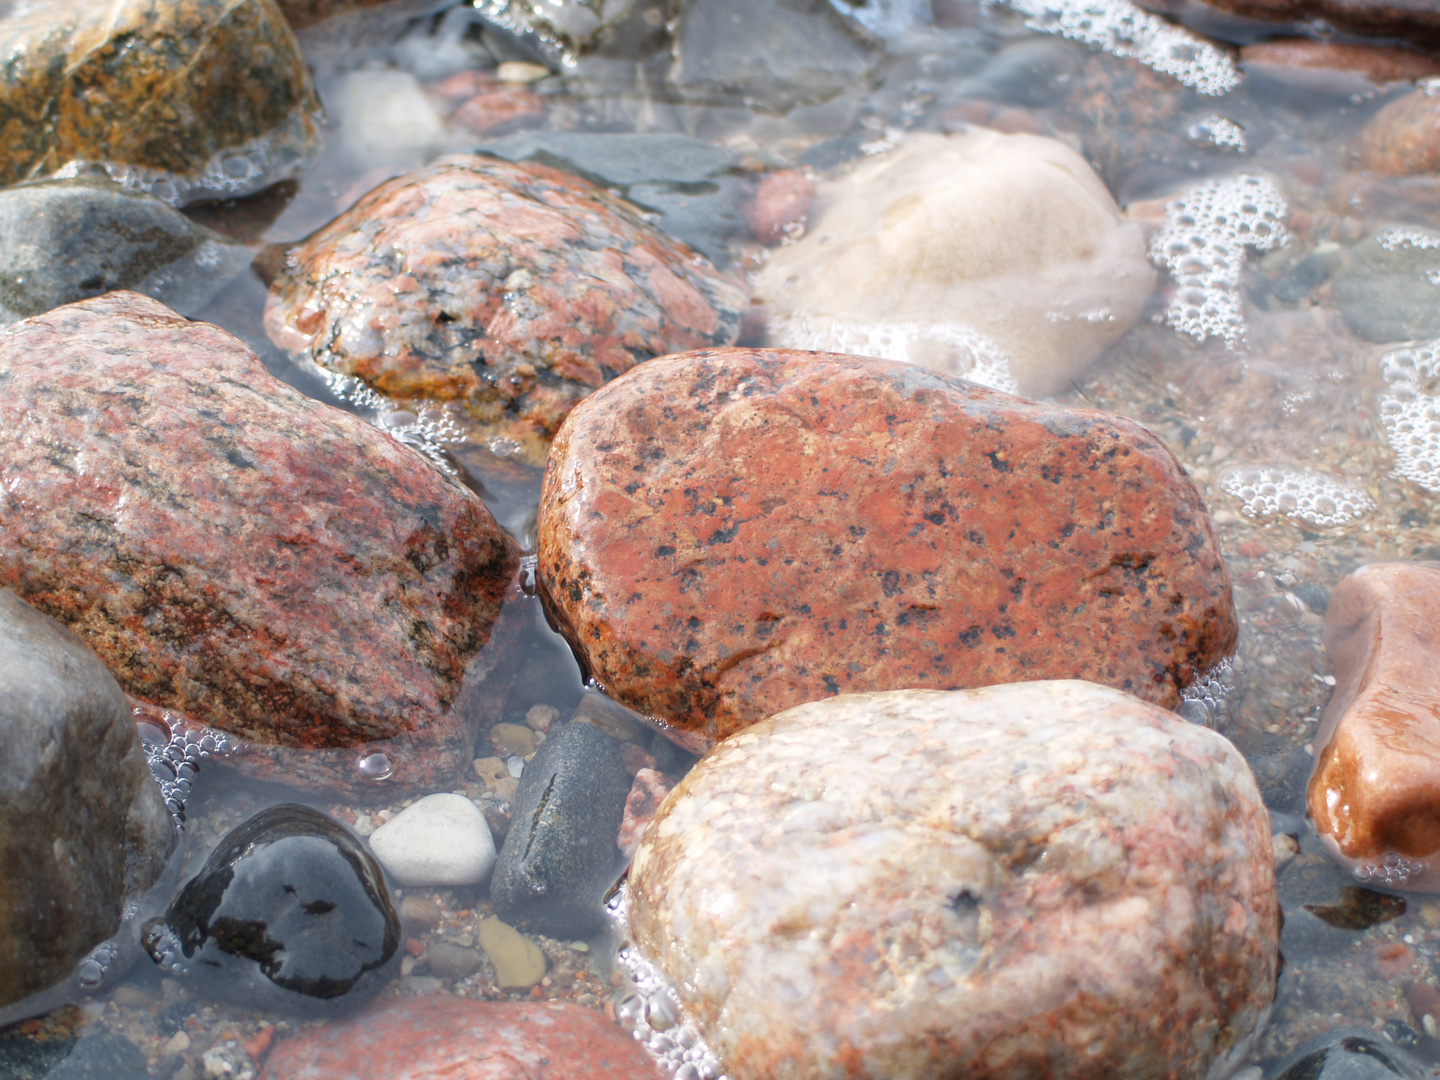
1312, 446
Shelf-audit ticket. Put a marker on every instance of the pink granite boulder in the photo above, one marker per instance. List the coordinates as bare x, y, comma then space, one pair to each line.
244, 557
1046, 879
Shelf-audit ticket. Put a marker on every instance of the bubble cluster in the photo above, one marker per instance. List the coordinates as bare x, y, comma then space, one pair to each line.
1122, 29
1202, 244
1206, 700
652, 1012
428, 427
1392, 870
1219, 132
967, 353
176, 762
1410, 411
1296, 494
1408, 236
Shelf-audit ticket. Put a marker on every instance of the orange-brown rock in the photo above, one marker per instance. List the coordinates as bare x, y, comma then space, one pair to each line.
1414, 20
1403, 138
1375, 791
780, 205
1311, 62
728, 533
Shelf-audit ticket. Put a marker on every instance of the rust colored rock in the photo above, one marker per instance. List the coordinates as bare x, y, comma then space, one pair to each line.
1424, 1000
435, 1037
1310, 63
486, 106
1415, 20
646, 795
1375, 791
728, 533
303, 13
516, 288
243, 556
1403, 138
188, 99
781, 203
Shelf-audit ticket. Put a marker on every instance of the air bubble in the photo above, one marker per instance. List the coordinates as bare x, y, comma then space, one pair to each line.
427, 427
1219, 132
376, 766
1297, 494
1410, 411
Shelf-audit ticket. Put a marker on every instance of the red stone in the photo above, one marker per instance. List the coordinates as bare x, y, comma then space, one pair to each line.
444, 1038
1390, 961
497, 111
726, 534
1375, 790
1416, 20
1304, 60
780, 205
1403, 138
646, 795
242, 555
1424, 1000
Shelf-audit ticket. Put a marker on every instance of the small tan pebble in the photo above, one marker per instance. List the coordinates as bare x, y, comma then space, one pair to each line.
520, 71
1431, 1027
177, 1044
132, 997
541, 717
420, 985
363, 825
93, 1010
383, 816
1224, 517
512, 739
452, 961
580, 946
519, 964
419, 913
1430, 914
1390, 961
490, 770
1286, 848
407, 965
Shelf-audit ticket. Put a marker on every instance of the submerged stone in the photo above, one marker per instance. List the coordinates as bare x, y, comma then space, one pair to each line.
1349, 1054
1408, 19
1375, 791
289, 913
1401, 139
520, 290
441, 839
559, 857
188, 100
83, 828
245, 557
1037, 879
725, 534
1385, 286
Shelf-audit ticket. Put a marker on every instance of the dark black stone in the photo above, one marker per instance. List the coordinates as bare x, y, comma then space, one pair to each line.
671, 759
289, 913
102, 1056
1316, 597
1358, 909
560, 857
1348, 1054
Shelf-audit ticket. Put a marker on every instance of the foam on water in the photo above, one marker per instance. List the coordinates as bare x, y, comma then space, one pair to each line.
1202, 244
966, 352
428, 426
1206, 700
1122, 29
1219, 132
1298, 494
1410, 411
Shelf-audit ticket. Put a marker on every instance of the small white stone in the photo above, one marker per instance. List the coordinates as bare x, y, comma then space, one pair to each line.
177, 1044
520, 71
440, 840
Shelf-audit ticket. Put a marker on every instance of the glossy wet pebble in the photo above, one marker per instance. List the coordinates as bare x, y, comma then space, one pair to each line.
289, 913
1038, 879
559, 857
83, 828
438, 840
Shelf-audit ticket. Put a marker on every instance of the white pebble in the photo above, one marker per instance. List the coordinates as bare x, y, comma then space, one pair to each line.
440, 840
519, 71
515, 765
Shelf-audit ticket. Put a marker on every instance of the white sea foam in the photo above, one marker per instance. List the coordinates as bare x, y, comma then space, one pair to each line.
1298, 494
1410, 411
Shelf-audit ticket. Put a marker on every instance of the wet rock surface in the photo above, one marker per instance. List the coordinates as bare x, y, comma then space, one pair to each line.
243, 556
559, 857
548, 289
288, 913
440, 840
724, 534
1409, 19
428, 1038
1402, 138
1383, 285
82, 826
1316, 64
70, 240
1375, 792
201, 98
1049, 878
999, 258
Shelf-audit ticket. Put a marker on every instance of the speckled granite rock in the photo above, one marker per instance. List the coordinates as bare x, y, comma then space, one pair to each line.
1042, 879
1375, 791
427, 1038
205, 97
1415, 20
520, 290
243, 555
728, 533
1403, 138
82, 824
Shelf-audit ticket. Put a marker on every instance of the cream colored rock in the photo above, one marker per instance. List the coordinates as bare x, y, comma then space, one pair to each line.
442, 839
1036, 879
1000, 258
518, 962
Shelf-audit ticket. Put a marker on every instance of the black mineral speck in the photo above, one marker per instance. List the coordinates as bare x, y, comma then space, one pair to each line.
289, 913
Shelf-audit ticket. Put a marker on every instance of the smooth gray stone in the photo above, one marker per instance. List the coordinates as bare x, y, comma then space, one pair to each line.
560, 857
68, 240
1390, 291
82, 823
1348, 1054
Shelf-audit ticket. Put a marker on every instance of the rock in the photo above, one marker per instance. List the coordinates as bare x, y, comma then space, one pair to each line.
1424, 1000
277, 569
560, 27
1322, 66
1401, 139
305, 13
193, 100
99, 1055
68, 240
998, 257
1375, 791
433, 1037
289, 914
635, 758
1383, 285
1418, 22
518, 962
454, 961
559, 857
646, 794
690, 184
441, 839
780, 206
83, 828
541, 717
1037, 879
419, 913
1348, 1054
489, 107
227, 1061
699, 553
512, 739
552, 288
